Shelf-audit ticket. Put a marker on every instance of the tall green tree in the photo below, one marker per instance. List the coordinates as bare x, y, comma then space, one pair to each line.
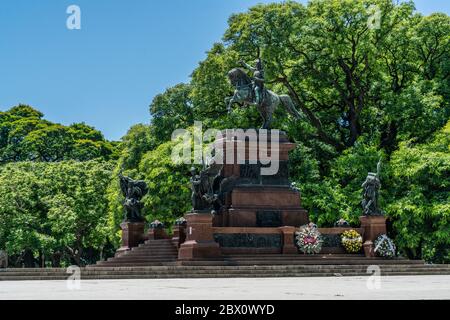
420, 197
171, 110
26, 136
54, 212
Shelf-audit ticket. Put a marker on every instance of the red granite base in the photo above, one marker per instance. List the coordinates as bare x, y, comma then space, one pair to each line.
199, 242
373, 226
132, 235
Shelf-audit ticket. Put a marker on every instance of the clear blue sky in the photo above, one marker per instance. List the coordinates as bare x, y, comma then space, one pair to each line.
107, 73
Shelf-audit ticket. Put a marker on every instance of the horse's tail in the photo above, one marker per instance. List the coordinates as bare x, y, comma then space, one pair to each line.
288, 104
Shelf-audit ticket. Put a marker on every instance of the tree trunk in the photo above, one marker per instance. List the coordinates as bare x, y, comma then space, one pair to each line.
56, 260
389, 138
28, 259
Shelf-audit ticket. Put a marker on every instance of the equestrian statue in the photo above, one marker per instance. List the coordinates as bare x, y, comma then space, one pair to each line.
251, 91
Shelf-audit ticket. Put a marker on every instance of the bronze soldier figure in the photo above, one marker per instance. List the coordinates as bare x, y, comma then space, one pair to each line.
371, 188
257, 80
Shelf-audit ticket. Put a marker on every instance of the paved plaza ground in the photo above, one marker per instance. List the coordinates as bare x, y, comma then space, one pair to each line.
340, 288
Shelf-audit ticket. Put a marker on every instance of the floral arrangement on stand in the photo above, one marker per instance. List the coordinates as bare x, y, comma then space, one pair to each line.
180, 221
384, 246
341, 223
308, 239
156, 224
352, 241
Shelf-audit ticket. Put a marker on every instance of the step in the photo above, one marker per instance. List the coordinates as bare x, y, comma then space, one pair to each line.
291, 262
149, 251
292, 255
145, 256
220, 272
100, 272
137, 262
269, 268
149, 262
305, 257
149, 254
157, 243
328, 261
174, 256
258, 271
216, 275
146, 246
279, 271
128, 260
155, 247
293, 258
221, 269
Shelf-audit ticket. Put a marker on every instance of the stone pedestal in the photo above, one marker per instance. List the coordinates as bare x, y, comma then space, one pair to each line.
157, 234
199, 242
369, 249
288, 240
265, 206
373, 226
132, 235
179, 234
254, 196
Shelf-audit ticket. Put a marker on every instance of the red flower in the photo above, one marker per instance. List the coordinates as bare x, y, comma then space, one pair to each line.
309, 240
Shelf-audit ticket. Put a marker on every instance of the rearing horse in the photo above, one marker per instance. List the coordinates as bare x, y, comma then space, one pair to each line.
243, 94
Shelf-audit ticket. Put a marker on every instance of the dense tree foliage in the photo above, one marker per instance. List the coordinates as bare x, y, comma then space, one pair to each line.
26, 136
420, 197
54, 213
53, 204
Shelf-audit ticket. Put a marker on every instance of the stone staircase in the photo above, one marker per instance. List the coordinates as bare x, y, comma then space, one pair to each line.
260, 271
150, 253
299, 259
157, 259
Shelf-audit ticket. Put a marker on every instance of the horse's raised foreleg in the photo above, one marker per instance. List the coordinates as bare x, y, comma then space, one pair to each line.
266, 116
268, 122
229, 101
230, 105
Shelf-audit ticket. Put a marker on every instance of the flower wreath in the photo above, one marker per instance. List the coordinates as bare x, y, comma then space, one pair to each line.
180, 221
156, 224
308, 239
352, 241
384, 246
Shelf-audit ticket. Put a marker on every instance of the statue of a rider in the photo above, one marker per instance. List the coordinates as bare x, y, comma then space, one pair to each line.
257, 80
